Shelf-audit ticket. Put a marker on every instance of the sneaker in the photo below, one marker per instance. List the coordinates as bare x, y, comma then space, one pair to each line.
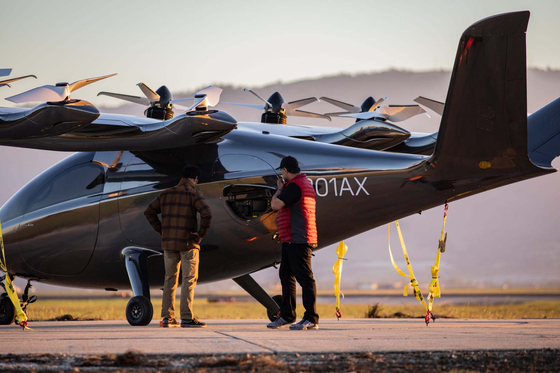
304, 325
169, 323
192, 323
279, 323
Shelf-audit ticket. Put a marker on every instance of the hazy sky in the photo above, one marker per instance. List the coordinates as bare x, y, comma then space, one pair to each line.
190, 44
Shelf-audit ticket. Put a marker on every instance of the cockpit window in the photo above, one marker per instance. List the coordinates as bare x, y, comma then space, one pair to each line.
78, 181
18, 204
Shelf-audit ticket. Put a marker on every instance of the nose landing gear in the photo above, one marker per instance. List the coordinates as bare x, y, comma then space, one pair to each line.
139, 310
7, 309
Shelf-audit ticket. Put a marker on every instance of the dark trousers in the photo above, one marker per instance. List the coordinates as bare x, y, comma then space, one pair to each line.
296, 265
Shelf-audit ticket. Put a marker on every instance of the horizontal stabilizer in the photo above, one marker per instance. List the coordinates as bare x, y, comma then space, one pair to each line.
544, 134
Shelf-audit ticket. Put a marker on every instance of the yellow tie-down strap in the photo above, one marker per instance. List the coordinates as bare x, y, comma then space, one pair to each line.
21, 317
410, 275
434, 288
337, 270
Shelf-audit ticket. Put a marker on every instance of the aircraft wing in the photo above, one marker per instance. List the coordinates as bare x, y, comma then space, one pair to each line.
78, 126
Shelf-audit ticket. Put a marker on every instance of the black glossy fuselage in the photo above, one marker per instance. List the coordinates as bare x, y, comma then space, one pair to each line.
78, 240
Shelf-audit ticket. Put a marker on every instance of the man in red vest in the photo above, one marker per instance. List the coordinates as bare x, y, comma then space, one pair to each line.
297, 229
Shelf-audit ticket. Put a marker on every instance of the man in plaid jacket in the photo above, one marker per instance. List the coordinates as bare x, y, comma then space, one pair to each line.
181, 238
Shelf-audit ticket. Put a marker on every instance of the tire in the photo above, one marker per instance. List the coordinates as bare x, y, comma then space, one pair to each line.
272, 316
139, 311
7, 310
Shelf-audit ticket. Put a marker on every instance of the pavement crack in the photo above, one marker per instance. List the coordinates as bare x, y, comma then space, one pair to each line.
247, 341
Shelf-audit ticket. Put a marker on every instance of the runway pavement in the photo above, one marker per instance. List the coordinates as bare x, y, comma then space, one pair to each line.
251, 336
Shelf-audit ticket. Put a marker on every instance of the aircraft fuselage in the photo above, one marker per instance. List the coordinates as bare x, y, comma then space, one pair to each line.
70, 224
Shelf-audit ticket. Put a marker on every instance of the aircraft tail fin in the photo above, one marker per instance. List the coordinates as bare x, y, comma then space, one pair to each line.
483, 130
544, 134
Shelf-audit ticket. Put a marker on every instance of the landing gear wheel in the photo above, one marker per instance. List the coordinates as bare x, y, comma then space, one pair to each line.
7, 310
272, 316
139, 311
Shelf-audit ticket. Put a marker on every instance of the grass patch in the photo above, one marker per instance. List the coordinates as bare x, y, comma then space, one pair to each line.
114, 309
373, 311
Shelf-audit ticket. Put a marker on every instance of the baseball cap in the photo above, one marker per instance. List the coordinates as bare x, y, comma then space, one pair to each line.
289, 163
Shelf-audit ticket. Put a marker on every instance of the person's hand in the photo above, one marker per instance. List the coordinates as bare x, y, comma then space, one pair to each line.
196, 237
280, 183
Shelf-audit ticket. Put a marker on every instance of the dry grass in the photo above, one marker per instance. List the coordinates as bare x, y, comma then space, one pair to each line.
114, 309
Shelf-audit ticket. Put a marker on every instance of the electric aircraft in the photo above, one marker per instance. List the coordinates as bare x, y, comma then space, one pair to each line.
81, 223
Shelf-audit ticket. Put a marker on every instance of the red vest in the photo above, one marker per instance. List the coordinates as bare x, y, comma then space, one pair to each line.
296, 223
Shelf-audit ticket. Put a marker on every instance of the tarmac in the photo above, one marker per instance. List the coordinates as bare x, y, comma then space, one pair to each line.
252, 336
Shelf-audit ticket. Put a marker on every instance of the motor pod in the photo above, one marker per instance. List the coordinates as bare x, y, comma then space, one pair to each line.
159, 113
368, 134
203, 127
47, 119
274, 118
163, 109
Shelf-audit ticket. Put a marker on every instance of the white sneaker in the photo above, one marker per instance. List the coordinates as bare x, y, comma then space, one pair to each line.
304, 325
279, 323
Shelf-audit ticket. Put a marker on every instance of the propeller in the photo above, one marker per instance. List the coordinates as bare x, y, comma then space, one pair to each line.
371, 109
161, 103
54, 93
276, 107
161, 98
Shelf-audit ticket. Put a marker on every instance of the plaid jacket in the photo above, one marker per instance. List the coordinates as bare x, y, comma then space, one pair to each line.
178, 207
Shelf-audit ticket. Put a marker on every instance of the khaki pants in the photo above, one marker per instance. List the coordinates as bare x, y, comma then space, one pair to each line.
189, 266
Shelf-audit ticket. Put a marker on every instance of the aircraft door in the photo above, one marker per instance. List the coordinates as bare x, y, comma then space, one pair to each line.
59, 229
140, 185
247, 186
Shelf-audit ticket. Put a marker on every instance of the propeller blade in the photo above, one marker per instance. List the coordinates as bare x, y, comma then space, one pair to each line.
400, 113
5, 72
148, 92
82, 83
259, 97
337, 114
181, 107
365, 115
343, 105
308, 114
212, 95
182, 99
291, 107
258, 107
8, 81
45, 93
377, 103
392, 113
434, 105
129, 98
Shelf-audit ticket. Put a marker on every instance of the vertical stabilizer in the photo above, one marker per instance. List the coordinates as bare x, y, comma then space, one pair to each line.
483, 130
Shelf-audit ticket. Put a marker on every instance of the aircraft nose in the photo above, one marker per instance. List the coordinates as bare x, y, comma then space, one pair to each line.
9, 238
